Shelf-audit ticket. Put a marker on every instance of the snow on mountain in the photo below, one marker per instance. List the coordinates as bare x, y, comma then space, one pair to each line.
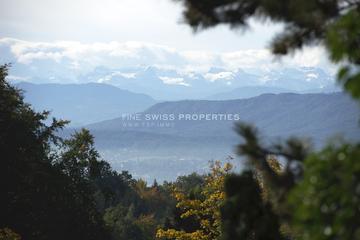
161, 72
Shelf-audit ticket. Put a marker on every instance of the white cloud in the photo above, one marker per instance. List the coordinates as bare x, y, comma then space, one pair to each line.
122, 20
16, 78
108, 78
174, 81
247, 58
312, 75
80, 58
219, 76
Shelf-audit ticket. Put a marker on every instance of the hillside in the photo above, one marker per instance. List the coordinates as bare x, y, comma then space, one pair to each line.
247, 92
315, 116
84, 103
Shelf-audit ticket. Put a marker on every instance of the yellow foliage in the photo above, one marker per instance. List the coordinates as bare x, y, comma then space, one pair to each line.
276, 167
8, 234
206, 209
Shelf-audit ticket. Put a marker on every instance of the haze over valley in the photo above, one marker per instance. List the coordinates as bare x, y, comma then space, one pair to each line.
179, 120
97, 85
165, 139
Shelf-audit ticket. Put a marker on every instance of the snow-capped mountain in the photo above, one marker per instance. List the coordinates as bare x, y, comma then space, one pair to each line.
299, 79
172, 85
160, 72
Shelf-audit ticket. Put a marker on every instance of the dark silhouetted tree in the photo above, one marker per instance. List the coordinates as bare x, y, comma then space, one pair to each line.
313, 194
37, 198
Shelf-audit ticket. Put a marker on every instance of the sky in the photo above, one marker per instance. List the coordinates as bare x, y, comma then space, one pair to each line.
155, 21
76, 29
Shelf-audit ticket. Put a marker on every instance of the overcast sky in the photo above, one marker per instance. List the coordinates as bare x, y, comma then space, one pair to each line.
95, 30
87, 21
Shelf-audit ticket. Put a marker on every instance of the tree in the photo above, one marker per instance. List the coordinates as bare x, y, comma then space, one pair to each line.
8, 234
79, 158
256, 205
54, 188
205, 209
139, 217
38, 200
333, 23
326, 203
312, 196
120, 220
246, 214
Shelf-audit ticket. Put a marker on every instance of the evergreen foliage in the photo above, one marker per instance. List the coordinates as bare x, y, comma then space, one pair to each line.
332, 23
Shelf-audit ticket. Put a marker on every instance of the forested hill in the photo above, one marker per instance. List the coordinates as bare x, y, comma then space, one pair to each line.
84, 103
167, 148
312, 115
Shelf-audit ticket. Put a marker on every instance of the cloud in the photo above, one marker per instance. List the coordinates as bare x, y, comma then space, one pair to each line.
247, 58
219, 76
96, 53
16, 78
79, 58
174, 81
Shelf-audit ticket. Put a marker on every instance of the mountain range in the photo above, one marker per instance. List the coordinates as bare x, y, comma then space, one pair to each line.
247, 92
158, 71
172, 85
217, 83
169, 84
132, 143
84, 103
148, 138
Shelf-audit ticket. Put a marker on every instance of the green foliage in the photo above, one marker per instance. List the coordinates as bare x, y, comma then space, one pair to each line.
79, 159
191, 183
326, 203
334, 23
309, 196
120, 220
245, 214
256, 205
124, 223
139, 212
61, 189
130, 209
312, 196
293, 152
36, 198
204, 209
53, 188
342, 40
